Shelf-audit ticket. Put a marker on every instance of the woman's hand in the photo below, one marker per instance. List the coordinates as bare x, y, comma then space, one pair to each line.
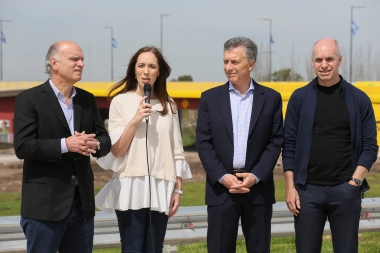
174, 204
175, 199
122, 145
143, 111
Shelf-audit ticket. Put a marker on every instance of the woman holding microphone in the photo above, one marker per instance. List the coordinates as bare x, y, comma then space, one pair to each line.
146, 157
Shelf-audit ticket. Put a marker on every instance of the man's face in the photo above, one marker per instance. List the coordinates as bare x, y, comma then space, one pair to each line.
326, 62
236, 67
69, 64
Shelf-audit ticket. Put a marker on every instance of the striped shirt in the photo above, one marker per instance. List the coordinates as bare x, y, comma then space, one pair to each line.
68, 111
241, 109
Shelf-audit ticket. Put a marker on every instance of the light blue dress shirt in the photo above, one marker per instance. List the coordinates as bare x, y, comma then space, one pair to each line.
241, 109
68, 111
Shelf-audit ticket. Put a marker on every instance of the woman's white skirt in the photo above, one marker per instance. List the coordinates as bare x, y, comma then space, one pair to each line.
133, 193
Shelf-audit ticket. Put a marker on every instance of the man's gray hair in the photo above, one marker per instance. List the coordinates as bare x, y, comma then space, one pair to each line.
249, 46
53, 52
338, 54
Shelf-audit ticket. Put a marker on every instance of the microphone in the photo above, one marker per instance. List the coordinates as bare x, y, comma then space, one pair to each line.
147, 90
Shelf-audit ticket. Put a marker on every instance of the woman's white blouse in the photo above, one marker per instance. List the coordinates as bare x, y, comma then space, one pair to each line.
135, 192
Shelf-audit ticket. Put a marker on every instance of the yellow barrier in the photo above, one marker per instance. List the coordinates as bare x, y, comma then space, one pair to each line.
194, 90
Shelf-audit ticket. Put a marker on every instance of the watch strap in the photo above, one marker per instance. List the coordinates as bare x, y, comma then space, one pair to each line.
357, 181
178, 191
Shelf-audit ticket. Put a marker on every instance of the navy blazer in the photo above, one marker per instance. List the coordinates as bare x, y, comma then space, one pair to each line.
299, 123
214, 138
49, 177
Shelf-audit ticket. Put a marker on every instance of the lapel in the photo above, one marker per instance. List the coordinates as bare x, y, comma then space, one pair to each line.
257, 105
225, 108
52, 102
77, 111
349, 100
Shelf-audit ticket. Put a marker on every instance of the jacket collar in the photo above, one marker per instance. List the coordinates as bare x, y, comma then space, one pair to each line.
225, 106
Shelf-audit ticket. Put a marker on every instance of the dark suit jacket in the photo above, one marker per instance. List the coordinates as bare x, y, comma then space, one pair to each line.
48, 176
216, 148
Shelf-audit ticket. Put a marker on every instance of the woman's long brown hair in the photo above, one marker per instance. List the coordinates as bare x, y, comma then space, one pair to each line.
129, 82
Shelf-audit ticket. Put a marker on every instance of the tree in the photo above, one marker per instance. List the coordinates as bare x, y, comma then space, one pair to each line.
185, 78
310, 74
286, 75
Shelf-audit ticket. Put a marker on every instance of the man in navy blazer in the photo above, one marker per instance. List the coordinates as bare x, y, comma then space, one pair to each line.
330, 145
239, 137
57, 127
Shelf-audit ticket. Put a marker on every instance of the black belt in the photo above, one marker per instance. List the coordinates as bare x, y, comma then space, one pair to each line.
234, 171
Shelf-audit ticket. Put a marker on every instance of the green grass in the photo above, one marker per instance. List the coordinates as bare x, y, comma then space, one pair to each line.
188, 136
368, 243
374, 184
194, 194
10, 203
116, 250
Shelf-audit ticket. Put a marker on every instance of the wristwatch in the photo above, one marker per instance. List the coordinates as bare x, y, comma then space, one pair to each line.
178, 191
98, 145
357, 181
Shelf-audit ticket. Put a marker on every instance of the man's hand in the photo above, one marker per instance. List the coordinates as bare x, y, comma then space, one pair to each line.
82, 143
292, 198
360, 174
248, 181
233, 183
353, 183
293, 201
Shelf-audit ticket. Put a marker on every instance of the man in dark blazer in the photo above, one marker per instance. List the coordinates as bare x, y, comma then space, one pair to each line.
57, 127
239, 138
330, 145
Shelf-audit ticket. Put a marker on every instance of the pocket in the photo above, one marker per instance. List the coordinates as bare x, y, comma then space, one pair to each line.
353, 186
38, 180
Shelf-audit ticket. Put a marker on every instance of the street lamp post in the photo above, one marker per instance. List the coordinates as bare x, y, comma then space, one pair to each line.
111, 27
162, 44
351, 27
1, 48
270, 48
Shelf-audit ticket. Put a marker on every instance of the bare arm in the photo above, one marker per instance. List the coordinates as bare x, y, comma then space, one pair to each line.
292, 197
359, 173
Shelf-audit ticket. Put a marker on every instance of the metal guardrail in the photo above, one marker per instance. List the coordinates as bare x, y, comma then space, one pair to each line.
189, 225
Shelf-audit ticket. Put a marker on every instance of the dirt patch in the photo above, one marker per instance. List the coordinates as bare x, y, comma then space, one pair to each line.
11, 173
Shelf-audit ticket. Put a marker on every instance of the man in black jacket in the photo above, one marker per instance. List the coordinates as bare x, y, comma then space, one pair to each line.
330, 145
57, 127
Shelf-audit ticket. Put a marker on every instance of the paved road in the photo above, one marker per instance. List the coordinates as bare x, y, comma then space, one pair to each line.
9, 159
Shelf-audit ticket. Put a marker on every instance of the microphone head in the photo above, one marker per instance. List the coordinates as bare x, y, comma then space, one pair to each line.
147, 88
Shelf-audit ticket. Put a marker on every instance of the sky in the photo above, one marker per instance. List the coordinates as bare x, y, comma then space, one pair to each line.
193, 34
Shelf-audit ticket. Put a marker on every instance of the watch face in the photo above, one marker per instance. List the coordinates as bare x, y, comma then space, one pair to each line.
357, 181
